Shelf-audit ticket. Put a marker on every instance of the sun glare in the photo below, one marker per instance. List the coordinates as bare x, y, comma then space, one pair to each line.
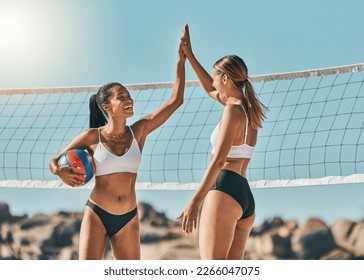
26, 39
15, 29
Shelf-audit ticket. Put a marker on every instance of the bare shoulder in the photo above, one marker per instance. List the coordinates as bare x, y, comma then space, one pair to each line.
138, 128
90, 136
233, 115
91, 132
233, 110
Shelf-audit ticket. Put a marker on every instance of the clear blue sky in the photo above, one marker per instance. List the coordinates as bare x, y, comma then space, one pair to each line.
75, 43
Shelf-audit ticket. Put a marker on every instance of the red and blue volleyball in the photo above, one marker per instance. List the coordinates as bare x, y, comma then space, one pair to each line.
81, 159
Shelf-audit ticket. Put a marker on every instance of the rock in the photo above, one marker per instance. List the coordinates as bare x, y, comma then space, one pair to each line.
272, 240
37, 234
356, 239
312, 240
271, 245
68, 253
260, 245
25, 241
5, 215
61, 242
7, 252
291, 226
57, 237
9, 239
337, 254
63, 233
282, 246
149, 216
36, 221
341, 230
155, 237
266, 226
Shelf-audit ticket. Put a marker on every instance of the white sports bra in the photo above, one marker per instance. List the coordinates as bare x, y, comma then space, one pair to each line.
107, 163
242, 151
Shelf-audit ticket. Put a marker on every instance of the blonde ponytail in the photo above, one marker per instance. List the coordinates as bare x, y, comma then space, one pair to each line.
235, 68
256, 110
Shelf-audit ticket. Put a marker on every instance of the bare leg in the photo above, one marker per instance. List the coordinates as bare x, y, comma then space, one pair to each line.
241, 235
92, 236
218, 223
125, 244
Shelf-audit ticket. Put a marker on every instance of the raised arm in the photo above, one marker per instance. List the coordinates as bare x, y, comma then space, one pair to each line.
158, 117
204, 77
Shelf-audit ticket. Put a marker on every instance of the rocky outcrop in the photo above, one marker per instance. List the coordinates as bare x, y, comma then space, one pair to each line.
271, 240
349, 236
147, 215
312, 240
155, 226
5, 215
56, 237
356, 239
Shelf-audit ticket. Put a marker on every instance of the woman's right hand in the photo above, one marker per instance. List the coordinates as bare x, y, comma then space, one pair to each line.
189, 217
186, 48
181, 54
70, 175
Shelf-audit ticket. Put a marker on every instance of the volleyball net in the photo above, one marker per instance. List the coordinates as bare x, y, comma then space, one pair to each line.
313, 134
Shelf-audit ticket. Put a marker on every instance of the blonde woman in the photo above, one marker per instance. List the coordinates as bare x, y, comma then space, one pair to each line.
228, 210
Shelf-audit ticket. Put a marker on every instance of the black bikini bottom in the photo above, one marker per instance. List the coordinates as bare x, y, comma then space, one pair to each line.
236, 186
112, 223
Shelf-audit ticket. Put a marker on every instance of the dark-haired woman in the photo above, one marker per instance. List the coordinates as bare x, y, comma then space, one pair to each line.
116, 148
228, 210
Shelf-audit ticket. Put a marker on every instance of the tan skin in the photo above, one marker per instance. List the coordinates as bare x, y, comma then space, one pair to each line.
115, 193
222, 234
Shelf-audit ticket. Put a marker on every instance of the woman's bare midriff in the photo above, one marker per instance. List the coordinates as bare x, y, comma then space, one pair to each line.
238, 165
115, 193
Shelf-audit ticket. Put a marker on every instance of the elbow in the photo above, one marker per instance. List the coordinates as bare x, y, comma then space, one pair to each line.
53, 166
180, 102
50, 165
219, 163
177, 101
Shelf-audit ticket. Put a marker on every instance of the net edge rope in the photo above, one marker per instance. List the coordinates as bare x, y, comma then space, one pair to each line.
257, 79
173, 186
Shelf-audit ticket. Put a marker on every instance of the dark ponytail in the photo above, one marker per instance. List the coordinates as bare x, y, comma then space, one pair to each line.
98, 116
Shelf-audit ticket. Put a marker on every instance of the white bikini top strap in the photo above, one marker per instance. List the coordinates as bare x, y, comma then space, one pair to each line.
132, 133
244, 110
246, 125
99, 134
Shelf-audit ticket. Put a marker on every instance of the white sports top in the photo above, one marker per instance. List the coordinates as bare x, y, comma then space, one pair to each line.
107, 163
242, 151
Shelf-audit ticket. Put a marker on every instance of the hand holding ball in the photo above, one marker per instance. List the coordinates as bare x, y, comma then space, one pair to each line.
81, 162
